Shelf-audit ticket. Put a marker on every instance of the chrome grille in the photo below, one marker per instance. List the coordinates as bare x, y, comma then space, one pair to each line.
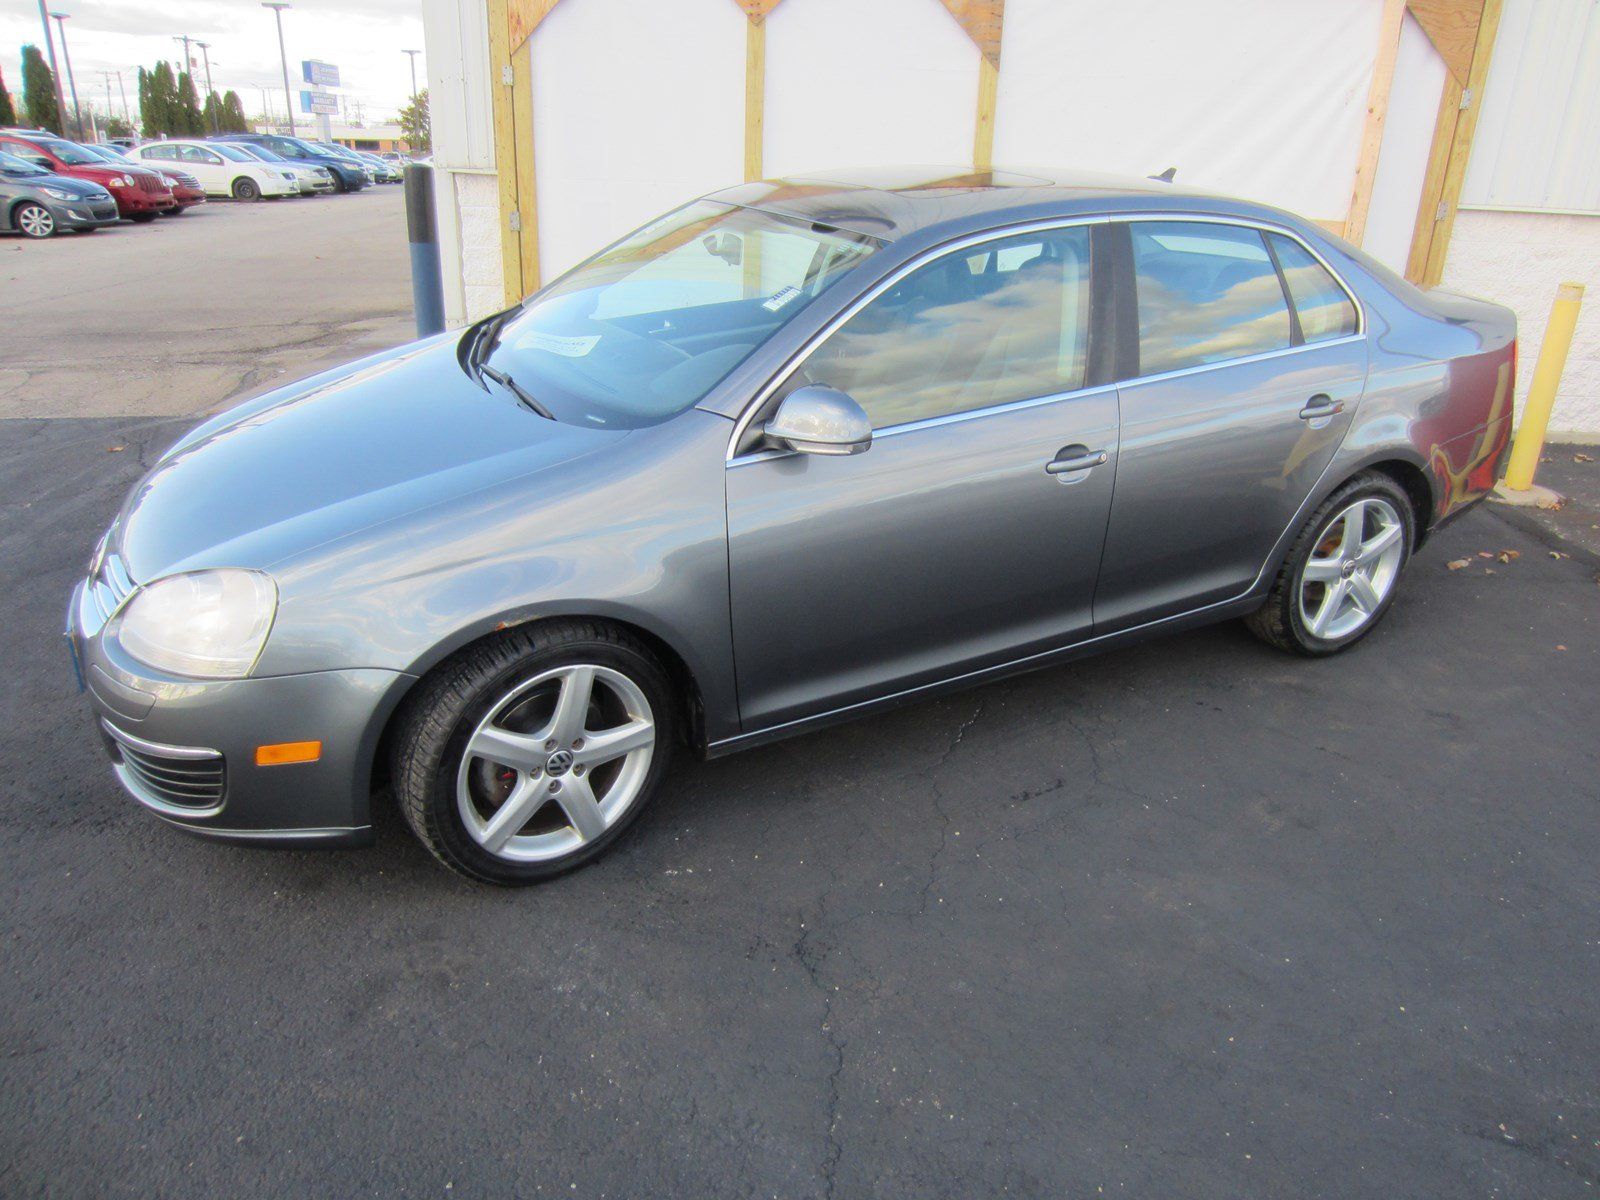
191, 778
188, 180
150, 183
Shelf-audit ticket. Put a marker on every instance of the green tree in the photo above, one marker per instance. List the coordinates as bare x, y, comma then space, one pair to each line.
188, 120
415, 124
159, 110
39, 91
233, 118
114, 126
211, 114
8, 110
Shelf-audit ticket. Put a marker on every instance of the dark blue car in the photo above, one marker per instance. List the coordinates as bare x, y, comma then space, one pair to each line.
347, 176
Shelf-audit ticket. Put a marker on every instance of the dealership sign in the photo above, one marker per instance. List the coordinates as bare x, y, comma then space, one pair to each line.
319, 102
319, 74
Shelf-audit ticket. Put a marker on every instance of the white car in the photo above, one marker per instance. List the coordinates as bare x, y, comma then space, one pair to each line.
222, 169
311, 180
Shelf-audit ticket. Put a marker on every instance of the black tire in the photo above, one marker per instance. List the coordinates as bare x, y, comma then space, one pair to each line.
438, 718
1280, 621
246, 189
339, 184
33, 220
143, 218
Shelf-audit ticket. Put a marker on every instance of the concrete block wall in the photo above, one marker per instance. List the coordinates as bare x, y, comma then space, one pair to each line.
1517, 259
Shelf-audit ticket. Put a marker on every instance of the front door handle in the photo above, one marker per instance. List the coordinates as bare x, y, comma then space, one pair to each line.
1075, 458
1319, 408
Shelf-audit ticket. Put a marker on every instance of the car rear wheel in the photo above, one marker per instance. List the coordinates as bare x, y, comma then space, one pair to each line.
34, 220
1341, 574
143, 218
529, 755
246, 189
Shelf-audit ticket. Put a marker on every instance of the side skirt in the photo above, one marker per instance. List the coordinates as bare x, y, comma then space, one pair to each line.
1202, 616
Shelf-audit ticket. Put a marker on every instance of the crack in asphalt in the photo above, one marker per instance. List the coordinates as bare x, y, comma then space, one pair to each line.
811, 962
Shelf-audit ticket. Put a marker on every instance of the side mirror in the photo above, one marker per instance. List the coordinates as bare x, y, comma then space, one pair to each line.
820, 420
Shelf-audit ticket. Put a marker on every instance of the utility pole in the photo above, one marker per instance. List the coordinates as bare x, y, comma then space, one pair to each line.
55, 72
61, 24
413, 54
110, 109
205, 51
127, 113
184, 38
277, 7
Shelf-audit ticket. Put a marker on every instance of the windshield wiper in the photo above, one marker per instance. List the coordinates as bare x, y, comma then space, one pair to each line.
486, 336
516, 389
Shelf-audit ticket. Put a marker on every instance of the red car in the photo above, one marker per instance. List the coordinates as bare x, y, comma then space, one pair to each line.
141, 194
186, 189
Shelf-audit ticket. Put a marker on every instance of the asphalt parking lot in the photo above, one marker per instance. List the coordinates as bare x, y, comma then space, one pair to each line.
1189, 919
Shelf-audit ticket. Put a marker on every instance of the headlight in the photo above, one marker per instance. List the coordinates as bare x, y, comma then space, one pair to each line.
58, 193
289, 175
209, 624
118, 181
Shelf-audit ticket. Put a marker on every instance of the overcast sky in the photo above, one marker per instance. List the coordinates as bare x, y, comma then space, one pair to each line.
364, 38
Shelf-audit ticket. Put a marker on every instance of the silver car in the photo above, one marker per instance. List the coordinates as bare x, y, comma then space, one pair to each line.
793, 452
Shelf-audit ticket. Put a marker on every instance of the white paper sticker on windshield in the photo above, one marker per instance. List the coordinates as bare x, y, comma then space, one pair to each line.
780, 297
567, 347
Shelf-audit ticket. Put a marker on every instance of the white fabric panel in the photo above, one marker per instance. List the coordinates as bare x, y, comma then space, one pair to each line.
863, 84
637, 108
1535, 145
457, 38
1419, 77
1263, 99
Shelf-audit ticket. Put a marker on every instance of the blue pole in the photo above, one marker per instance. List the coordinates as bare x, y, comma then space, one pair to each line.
422, 231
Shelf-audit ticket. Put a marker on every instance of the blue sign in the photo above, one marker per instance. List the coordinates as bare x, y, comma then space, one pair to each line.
319, 102
320, 74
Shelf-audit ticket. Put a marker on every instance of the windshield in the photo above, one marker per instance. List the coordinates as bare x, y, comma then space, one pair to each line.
12, 165
261, 152
73, 156
647, 327
229, 153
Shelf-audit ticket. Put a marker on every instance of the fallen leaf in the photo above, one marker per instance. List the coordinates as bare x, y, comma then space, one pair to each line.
1457, 564
1552, 505
115, 449
1489, 571
1506, 556
1559, 647
1583, 458
1558, 554
1485, 554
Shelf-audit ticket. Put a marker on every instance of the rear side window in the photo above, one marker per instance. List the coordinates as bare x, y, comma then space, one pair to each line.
1325, 311
1207, 293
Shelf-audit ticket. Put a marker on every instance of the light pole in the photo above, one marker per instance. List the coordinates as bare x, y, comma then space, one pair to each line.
55, 72
277, 7
205, 52
413, 54
61, 24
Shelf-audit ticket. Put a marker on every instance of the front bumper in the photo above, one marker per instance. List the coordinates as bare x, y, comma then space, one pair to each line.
132, 201
185, 748
84, 214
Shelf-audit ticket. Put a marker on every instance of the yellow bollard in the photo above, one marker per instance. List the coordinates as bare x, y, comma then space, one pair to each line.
1529, 444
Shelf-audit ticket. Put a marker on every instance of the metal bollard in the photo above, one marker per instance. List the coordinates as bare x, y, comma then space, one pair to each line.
422, 231
1529, 444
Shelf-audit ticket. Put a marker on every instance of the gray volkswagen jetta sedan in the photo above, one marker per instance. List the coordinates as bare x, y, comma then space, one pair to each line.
794, 451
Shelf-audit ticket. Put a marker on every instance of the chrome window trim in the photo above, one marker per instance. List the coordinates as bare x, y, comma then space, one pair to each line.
934, 253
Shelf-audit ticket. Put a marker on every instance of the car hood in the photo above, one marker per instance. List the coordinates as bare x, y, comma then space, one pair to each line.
73, 187
337, 453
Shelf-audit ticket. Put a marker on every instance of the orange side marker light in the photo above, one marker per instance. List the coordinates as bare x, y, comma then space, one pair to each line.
282, 753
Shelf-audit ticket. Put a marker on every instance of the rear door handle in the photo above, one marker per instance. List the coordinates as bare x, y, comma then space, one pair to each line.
1320, 407
1075, 458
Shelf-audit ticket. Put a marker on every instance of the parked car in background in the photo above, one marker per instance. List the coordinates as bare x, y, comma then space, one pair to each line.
948, 431
312, 180
186, 189
223, 170
347, 177
395, 159
141, 195
344, 154
37, 204
382, 170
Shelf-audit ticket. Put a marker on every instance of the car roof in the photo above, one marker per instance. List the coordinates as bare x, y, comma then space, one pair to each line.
893, 202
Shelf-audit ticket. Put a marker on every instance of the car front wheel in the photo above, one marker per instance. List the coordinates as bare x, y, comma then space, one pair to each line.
529, 755
34, 220
1340, 575
246, 189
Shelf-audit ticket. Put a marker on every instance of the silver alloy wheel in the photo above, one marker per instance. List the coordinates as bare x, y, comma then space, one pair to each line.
1352, 568
35, 221
556, 762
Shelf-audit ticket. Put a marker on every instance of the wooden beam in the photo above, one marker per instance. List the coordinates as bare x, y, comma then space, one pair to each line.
505, 148
983, 129
1453, 131
1394, 15
755, 95
523, 17
527, 188
1452, 27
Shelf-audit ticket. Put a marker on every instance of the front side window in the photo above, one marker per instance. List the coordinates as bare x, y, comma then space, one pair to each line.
1325, 311
1207, 293
28, 153
970, 330
646, 328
